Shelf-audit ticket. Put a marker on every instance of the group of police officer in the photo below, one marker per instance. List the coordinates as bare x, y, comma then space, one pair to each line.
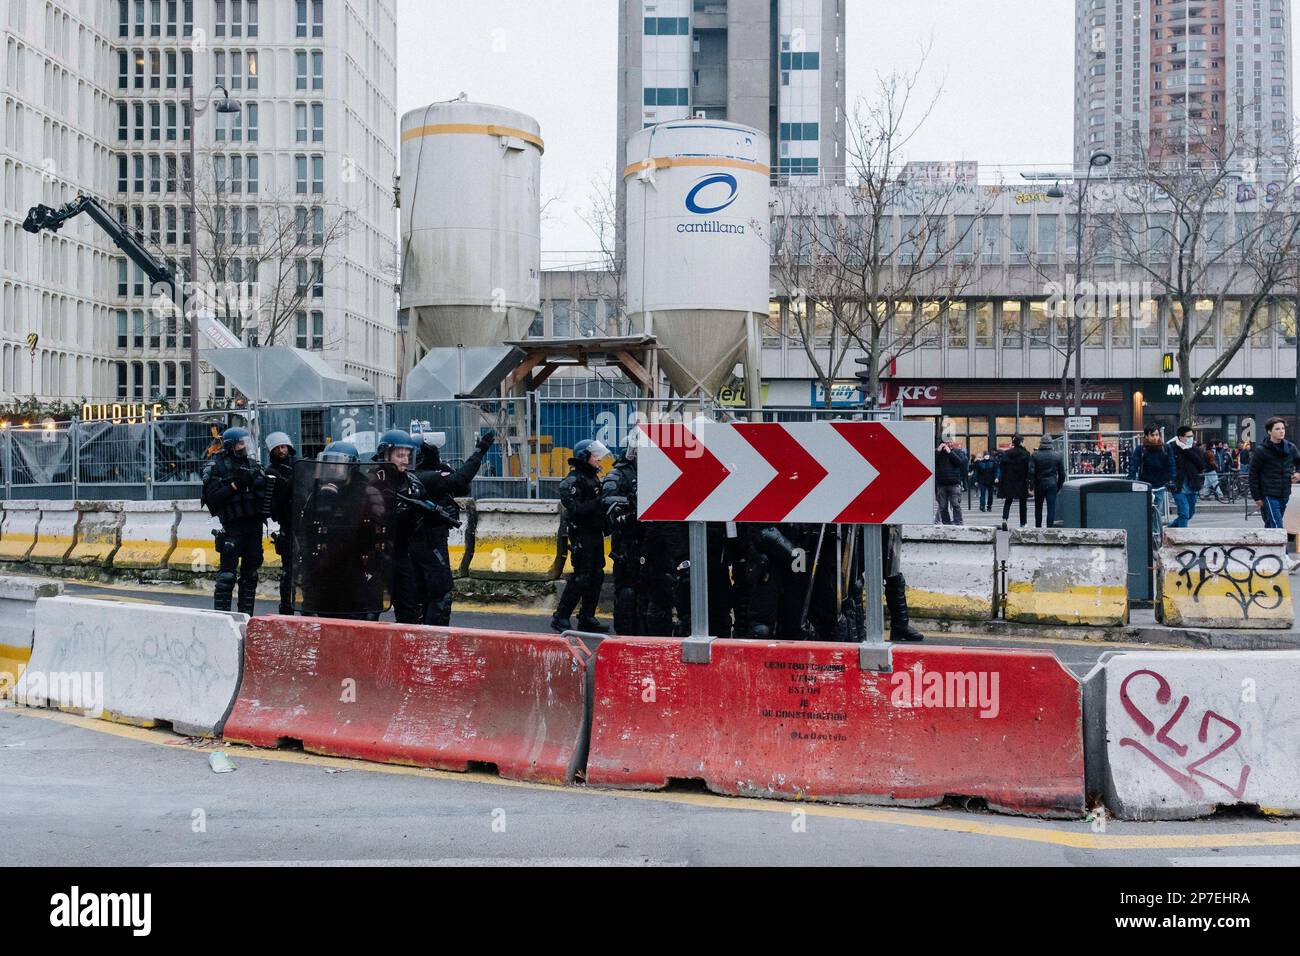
766, 581
364, 532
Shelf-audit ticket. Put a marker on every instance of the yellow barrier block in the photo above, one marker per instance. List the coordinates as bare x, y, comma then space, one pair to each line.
13, 661
98, 534
148, 534
193, 554
52, 549
143, 554
924, 603
19, 535
1224, 602
1095, 605
528, 558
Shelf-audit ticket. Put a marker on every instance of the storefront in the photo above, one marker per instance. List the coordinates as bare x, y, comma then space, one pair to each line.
983, 415
1231, 410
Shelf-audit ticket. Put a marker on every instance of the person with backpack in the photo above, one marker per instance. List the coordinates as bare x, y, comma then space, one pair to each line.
234, 491
1152, 462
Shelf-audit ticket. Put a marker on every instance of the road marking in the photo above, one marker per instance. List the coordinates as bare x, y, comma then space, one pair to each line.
1235, 861
1043, 832
592, 861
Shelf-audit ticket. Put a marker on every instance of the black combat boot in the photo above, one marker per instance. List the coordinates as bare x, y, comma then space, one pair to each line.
590, 625
561, 624
900, 627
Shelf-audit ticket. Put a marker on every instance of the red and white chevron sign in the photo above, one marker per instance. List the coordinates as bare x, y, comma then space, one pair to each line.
808, 472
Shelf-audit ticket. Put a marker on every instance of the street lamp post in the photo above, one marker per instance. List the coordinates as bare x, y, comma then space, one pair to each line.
1096, 161
224, 105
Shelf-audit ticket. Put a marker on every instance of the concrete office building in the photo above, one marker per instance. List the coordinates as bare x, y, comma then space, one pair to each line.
98, 92
1176, 75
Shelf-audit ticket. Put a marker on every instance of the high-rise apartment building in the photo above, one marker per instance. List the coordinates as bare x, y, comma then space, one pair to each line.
294, 192
1181, 77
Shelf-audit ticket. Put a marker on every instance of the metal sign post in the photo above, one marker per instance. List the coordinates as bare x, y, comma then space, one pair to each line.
697, 649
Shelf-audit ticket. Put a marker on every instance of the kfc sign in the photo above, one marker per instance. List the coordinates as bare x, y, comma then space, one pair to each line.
912, 394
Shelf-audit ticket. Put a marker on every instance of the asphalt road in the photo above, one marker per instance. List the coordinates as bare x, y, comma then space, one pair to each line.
86, 793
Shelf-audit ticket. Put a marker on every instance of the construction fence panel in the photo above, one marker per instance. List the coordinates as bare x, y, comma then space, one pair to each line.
506, 468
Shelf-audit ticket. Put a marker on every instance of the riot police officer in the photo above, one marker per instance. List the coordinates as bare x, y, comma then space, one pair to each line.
280, 447
618, 497
584, 525
234, 489
442, 486
396, 448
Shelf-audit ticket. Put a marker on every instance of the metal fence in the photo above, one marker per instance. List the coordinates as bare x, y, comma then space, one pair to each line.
163, 458
1099, 453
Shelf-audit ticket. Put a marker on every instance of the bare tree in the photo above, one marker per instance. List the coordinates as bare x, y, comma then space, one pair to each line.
855, 281
267, 252
608, 279
1199, 229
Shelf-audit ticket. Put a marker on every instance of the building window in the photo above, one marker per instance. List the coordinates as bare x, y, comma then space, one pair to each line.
318, 122
317, 70
300, 183
300, 70
318, 174
801, 61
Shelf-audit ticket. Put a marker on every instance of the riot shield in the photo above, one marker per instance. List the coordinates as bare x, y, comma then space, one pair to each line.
343, 541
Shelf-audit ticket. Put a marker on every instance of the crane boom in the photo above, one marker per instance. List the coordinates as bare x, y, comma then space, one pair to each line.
45, 218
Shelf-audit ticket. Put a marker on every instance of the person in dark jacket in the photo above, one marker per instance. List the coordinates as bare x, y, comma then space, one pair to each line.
950, 466
1152, 461
234, 489
1048, 471
985, 473
1273, 471
627, 534
1013, 485
442, 485
1189, 474
280, 447
584, 524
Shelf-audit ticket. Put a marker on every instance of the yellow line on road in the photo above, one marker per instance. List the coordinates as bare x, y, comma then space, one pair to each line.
1045, 832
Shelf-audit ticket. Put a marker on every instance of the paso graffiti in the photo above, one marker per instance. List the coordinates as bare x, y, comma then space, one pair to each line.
1246, 577
1167, 736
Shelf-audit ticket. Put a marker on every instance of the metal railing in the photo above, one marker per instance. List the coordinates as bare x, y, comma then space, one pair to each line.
162, 458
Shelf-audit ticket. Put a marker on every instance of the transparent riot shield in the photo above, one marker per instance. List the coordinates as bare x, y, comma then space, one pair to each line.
343, 541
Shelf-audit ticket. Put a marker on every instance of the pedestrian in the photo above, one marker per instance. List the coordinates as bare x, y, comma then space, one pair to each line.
1189, 474
985, 472
1013, 484
1048, 471
1152, 462
584, 526
234, 490
1273, 472
950, 466
280, 447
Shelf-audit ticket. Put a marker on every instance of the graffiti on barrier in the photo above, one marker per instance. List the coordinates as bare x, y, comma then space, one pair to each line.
1167, 737
1249, 578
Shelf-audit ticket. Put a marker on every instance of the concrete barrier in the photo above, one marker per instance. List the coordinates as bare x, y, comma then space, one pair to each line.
424, 696
1067, 576
56, 533
1226, 577
138, 664
18, 596
950, 571
1175, 735
460, 541
19, 530
99, 532
148, 534
196, 548
801, 720
517, 540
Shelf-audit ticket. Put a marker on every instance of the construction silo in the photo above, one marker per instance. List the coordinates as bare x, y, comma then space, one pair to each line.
471, 224
697, 247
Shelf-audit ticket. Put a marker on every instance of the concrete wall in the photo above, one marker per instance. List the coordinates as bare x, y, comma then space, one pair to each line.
1067, 576
1225, 577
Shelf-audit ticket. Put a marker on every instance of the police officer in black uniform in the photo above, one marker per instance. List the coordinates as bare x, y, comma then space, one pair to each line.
584, 525
618, 497
280, 447
442, 486
234, 489
396, 448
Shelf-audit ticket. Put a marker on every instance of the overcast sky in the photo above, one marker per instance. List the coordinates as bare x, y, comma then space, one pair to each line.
1006, 68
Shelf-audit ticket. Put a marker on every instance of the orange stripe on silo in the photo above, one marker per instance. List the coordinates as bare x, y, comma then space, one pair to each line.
472, 129
667, 162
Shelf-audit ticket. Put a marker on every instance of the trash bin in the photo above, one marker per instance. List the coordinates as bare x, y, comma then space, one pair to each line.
1109, 502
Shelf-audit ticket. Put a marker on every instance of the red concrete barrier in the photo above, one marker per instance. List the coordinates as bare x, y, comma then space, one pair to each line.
802, 721
423, 696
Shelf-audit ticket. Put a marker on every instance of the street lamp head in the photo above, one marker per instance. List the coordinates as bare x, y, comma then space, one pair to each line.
1099, 160
227, 105
1056, 192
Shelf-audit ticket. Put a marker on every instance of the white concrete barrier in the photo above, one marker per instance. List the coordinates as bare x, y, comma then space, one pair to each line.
949, 571
19, 530
18, 596
1225, 577
196, 548
98, 532
136, 664
56, 533
517, 539
1067, 576
148, 534
1172, 736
